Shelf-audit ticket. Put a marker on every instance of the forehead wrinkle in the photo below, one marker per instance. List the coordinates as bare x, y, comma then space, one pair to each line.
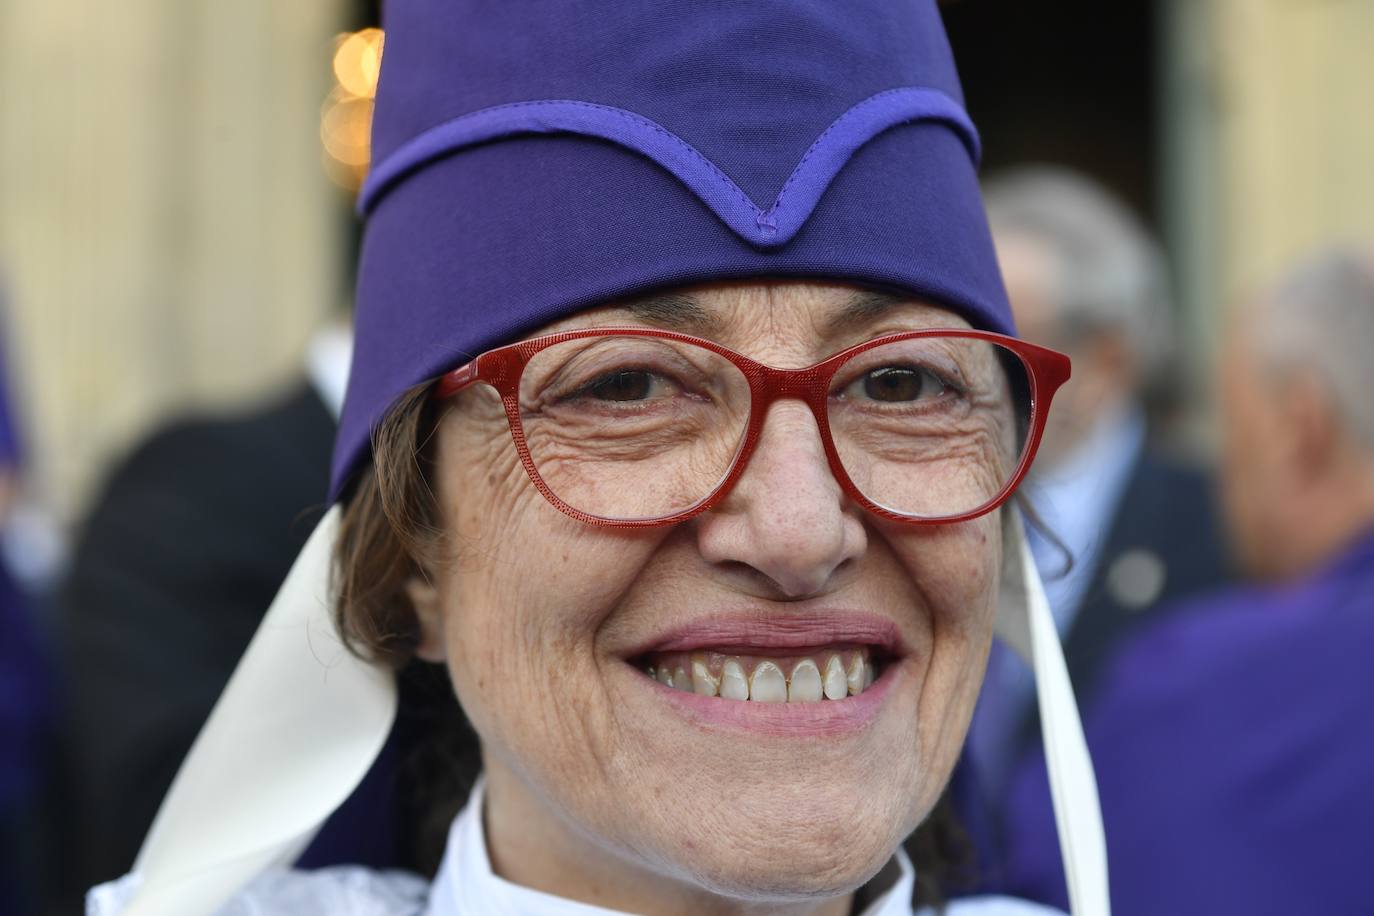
715, 317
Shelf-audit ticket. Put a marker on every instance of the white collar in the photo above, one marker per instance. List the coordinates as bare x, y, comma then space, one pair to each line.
466, 885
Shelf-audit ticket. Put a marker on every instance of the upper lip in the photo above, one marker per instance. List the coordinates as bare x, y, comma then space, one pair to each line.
765, 630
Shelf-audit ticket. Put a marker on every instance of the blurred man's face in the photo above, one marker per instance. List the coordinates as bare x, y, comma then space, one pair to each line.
1104, 373
1256, 485
1028, 268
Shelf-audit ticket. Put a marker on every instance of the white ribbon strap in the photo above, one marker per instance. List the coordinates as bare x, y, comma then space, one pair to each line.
293, 734
1024, 622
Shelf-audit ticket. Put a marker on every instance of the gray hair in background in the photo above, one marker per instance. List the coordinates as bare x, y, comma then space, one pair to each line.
1111, 273
1320, 318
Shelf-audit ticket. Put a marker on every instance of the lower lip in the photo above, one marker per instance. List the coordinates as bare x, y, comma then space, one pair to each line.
790, 720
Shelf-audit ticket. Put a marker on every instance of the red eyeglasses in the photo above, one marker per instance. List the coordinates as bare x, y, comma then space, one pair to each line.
634, 427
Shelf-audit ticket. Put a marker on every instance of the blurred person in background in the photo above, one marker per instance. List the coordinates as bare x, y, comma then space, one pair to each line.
1126, 528
172, 572
1232, 740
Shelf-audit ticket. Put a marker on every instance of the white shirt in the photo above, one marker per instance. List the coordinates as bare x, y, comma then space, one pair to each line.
467, 886
1077, 498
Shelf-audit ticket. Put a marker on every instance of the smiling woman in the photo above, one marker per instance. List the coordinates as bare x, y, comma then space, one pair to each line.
692, 648
758, 617
704, 513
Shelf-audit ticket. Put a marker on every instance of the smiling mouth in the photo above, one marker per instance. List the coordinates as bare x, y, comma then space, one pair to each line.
790, 673
826, 674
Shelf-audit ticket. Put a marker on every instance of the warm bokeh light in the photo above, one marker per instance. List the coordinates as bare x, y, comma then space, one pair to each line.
357, 61
345, 129
346, 116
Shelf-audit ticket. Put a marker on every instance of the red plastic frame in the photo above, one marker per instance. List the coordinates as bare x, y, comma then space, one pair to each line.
502, 367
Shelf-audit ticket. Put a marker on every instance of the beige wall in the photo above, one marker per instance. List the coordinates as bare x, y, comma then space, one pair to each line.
167, 234
1296, 136
1267, 113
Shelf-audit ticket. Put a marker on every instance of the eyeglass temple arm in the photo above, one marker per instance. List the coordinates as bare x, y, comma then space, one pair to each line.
455, 381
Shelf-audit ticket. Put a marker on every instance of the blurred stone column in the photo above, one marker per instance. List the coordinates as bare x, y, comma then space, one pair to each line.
1189, 105
167, 234
1296, 138
1268, 149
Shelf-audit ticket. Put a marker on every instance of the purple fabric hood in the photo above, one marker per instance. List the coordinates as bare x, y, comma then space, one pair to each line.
532, 159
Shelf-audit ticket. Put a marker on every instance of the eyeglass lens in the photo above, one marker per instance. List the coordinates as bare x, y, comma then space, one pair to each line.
626, 428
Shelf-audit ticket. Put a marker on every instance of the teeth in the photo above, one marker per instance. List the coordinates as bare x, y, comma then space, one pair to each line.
711, 674
857, 675
836, 684
733, 685
805, 685
702, 681
768, 685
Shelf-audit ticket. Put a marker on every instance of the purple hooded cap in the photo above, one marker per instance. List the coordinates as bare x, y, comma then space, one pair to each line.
534, 159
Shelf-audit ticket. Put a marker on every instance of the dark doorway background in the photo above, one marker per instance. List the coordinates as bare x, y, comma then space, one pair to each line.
1071, 83
365, 14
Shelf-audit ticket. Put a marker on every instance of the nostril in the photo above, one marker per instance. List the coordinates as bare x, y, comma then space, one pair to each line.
782, 555
799, 569
795, 587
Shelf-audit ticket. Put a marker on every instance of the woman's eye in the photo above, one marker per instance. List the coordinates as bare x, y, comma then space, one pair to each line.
626, 385
898, 384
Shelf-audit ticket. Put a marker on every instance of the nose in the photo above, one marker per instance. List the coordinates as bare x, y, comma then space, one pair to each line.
787, 520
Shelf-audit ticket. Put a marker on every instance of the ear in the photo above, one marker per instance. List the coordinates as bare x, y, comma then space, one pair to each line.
1315, 428
1116, 358
429, 614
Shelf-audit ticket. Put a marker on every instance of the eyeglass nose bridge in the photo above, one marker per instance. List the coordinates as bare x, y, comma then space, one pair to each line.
769, 385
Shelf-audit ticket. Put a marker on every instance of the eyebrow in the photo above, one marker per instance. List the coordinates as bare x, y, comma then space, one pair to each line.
863, 307
674, 311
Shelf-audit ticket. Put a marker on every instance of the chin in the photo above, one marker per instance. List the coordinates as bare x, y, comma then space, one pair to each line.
793, 799
783, 866
784, 833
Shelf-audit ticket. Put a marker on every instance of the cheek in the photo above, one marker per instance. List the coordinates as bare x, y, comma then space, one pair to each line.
960, 584
1248, 458
956, 569
524, 594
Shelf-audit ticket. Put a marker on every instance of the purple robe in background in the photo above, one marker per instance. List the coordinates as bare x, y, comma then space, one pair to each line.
10, 453
23, 685
25, 696
1234, 747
